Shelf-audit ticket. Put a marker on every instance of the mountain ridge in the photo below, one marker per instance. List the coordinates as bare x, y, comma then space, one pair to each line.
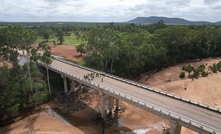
170, 21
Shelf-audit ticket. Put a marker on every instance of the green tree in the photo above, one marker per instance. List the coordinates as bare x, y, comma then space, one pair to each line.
60, 36
14, 96
46, 58
19, 38
46, 35
81, 48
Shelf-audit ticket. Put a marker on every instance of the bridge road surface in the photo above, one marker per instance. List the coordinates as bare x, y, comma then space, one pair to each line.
193, 112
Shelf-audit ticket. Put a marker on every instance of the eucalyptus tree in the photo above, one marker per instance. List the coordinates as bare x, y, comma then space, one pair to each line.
46, 34
17, 38
60, 36
14, 96
25, 39
173, 39
100, 46
46, 58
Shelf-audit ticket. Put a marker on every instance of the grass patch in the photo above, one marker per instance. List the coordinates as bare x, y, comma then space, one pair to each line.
39, 39
69, 40
82, 63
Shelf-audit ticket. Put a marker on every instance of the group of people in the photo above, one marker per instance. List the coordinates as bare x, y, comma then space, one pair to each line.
91, 76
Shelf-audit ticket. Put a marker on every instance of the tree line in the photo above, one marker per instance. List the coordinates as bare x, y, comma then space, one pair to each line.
129, 50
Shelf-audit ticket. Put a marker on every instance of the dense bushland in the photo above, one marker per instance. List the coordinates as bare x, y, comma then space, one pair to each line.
129, 50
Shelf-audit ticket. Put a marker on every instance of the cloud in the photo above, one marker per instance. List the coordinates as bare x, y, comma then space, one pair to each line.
54, 1
108, 11
208, 2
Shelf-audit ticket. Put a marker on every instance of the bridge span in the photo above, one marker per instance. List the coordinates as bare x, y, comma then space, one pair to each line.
179, 111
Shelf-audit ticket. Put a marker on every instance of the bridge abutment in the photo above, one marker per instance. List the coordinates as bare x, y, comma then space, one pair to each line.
175, 128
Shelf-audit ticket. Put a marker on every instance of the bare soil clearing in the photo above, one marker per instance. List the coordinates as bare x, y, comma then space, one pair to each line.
66, 51
206, 90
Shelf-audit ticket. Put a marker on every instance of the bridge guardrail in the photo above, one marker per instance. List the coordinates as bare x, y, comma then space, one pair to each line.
216, 109
151, 106
164, 111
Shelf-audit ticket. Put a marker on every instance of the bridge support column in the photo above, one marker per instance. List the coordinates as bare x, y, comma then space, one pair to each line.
80, 87
117, 104
65, 84
110, 105
175, 128
102, 104
116, 108
73, 85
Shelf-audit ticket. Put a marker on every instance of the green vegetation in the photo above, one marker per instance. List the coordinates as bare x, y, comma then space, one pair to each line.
182, 75
200, 71
201, 68
121, 49
129, 50
195, 74
82, 63
213, 68
219, 66
69, 40
188, 68
21, 86
204, 74
60, 34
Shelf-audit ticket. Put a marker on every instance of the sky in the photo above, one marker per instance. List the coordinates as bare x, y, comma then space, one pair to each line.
107, 10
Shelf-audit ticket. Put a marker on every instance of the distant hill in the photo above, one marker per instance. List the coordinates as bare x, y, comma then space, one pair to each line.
169, 21
217, 23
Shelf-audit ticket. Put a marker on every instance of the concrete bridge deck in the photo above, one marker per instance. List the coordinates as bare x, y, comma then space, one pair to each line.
180, 111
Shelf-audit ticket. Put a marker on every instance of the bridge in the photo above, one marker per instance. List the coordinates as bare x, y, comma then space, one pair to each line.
199, 117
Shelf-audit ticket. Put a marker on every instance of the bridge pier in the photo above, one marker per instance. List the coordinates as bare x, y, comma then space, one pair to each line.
73, 85
117, 104
110, 105
175, 128
102, 104
65, 83
80, 87
116, 108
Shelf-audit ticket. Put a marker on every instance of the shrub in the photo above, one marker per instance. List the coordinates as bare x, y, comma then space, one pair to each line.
196, 74
190, 76
188, 68
204, 74
219, 66
182, 75
213, 68
201, 68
